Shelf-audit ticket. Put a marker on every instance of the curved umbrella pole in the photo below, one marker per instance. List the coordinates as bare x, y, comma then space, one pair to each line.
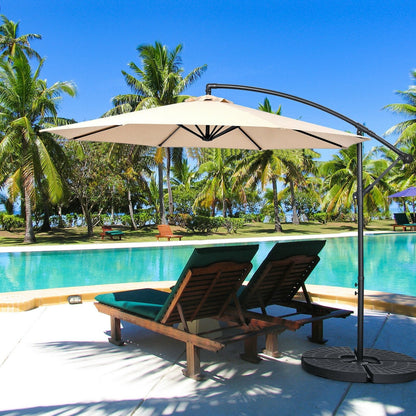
341, 363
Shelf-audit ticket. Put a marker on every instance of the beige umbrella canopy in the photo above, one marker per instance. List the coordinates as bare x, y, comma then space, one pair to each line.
208, 121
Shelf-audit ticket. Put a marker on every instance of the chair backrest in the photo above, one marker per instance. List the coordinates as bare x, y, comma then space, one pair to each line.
282, 274
164, 229
207, 283
401, 218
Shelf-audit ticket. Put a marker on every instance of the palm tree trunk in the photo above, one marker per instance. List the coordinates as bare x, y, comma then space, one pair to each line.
295, 217
112, 206
168, 184
161, 203
133, 223
61, 223
277, 225
29, 233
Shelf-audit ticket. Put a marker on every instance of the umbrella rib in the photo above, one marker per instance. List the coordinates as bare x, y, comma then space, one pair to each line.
200, 131
218, 132
258, 147
191, 131
213, 135
96, 131
215, 130
170, 135
319, 138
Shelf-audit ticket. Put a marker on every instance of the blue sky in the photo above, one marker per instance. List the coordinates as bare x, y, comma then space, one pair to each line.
348, 55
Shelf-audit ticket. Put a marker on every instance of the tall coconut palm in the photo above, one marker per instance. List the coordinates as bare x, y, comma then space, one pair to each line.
132, 163
262, 168
341, 180
404, 176
11, 42
405, 129
298, 164
26, 105
218, 185
159, 82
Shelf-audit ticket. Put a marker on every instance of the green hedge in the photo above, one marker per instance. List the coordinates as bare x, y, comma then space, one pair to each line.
9, 222
204, 224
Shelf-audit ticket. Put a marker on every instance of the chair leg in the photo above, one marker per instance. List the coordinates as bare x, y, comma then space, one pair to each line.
193, 362
250, 350
317, 335
272, 345
115, 332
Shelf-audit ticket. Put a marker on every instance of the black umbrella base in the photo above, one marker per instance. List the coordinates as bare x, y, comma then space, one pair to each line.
377, 366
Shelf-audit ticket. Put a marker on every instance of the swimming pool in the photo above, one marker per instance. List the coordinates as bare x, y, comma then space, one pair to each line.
390, 265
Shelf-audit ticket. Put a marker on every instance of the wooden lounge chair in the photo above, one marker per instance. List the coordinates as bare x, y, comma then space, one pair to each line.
166, 232
109, 232
207, 285
402, 221
277, 281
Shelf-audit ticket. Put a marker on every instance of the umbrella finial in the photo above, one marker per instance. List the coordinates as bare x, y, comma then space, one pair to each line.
208, 98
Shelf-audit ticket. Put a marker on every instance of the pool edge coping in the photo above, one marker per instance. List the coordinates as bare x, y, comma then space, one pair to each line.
240, 240
374, 300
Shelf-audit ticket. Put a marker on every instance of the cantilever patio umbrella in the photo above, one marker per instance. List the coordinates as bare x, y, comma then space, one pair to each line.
210, 121
409, 192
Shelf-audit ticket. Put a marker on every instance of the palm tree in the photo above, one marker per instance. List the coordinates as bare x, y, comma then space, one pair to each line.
261, 168
341, 181
184, 175
26, 105
406, 129
267, 107
218, 184
298, 165
11, 43
132, 163
159, 82
404, 176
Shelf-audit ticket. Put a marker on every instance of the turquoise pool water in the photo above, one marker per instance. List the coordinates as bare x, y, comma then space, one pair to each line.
390, 265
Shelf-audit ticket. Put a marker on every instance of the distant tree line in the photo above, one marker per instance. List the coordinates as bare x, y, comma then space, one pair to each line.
56, 181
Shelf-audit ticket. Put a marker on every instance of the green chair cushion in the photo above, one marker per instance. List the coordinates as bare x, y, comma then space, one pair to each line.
144, 302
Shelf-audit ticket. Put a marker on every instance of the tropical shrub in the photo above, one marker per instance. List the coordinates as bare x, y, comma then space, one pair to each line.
321, 217
203, 224
9, 222
144, 218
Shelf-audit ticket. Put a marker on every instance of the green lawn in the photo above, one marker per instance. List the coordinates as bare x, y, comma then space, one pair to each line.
78, 235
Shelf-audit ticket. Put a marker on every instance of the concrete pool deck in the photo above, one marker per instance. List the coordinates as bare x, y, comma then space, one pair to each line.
56, 360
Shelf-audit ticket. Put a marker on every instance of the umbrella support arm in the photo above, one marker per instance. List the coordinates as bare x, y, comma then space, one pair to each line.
406, 158
369, 188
